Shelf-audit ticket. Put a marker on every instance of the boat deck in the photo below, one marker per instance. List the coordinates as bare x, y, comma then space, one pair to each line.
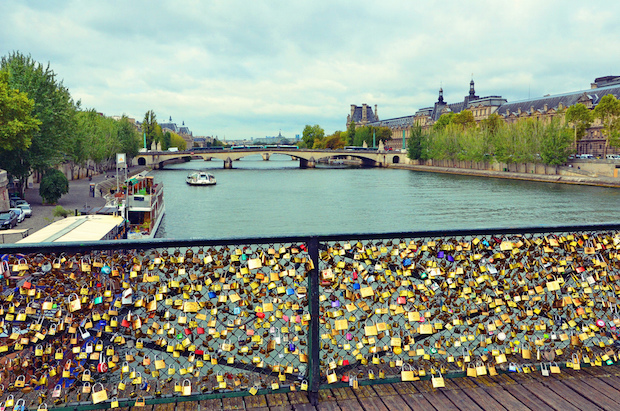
589, 389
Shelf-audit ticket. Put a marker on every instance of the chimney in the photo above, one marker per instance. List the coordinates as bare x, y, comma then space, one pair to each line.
352, 111
376, 114
364, 114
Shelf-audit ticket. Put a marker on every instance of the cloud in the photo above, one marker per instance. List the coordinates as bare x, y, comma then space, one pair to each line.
250, 69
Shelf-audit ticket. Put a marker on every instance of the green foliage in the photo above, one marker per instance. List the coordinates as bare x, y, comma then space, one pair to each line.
129, 138
312, 134
443, 121
365, 134
165, 144
177, 141
556, 143
351, 132
415, 143
492, 124
581, 119
17, 125
608, 110
59, 211
335, 141
53, 185
464, 119
53, 107
149, 127
525, 141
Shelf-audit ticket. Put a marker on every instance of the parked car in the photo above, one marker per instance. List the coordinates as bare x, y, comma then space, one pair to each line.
15, 203
26, 209
20, 214
8, 220
613, 157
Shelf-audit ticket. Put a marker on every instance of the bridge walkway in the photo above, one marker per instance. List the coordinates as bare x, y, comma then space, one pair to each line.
593, 388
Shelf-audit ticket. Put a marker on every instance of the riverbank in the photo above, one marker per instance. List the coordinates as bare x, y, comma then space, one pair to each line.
546, 178
77, 200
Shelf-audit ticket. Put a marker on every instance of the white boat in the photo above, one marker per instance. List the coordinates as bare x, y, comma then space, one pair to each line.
141, 203
200, 178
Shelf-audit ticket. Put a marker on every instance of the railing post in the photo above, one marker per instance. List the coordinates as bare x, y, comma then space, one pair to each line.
314, 342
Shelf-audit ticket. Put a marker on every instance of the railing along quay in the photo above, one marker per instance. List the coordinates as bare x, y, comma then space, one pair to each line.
126, 323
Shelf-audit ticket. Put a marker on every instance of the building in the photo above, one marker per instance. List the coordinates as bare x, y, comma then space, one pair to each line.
183, 131
541, 108
362, 115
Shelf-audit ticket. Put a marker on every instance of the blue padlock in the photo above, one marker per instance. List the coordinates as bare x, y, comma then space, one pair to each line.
212, 294
356, 286
291, 347
290, 291
106, 269
102, 323
237, 310
407, 262
440, 254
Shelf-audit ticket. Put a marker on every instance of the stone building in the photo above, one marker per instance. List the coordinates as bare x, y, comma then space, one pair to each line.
540, 108
182, 131
362, 115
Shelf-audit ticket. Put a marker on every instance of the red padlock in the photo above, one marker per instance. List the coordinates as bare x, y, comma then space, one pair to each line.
126, 322
401, 300
200, 330
102, 366
188, 331
345, 378
199, 352
260, 315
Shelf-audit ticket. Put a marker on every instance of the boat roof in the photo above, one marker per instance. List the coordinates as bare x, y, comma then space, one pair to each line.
78, 228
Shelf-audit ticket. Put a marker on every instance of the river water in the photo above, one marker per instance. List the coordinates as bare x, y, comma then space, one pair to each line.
273, 198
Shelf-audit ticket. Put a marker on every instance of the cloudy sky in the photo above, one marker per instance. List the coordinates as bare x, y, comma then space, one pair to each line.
241, 69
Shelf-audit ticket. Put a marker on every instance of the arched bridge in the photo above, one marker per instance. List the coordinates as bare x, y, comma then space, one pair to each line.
307, 158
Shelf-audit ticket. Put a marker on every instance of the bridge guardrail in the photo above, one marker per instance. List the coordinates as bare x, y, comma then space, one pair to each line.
118, 323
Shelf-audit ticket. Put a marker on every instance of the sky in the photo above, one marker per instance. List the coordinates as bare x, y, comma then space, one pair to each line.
242, 69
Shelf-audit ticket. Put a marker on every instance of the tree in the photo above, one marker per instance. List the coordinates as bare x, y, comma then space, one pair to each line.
311, 134
443, 121
581, 118
608, 110
149, 128
414, 142
128, 137
53, 107
335, 141
177, 141
53, 185
492, 124
351, 130
17, 125
464, 119
165, 144
556, 143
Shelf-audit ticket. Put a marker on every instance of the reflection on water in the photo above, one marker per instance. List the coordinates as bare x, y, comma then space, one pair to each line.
271, 198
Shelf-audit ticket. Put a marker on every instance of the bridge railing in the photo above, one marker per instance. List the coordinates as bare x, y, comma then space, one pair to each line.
122, 323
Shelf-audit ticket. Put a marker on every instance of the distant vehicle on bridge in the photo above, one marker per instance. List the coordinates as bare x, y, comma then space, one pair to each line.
358, 148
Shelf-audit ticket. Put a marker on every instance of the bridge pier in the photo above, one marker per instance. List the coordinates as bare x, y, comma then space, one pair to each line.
228, 164
265, 156
303, 163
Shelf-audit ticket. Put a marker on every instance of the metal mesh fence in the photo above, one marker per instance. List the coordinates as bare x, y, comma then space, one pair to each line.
115, 326
427, 306
122, 325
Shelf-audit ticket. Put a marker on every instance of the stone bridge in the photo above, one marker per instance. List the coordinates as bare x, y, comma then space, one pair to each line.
307, 158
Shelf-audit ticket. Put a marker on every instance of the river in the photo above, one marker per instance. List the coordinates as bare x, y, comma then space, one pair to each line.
273, 198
